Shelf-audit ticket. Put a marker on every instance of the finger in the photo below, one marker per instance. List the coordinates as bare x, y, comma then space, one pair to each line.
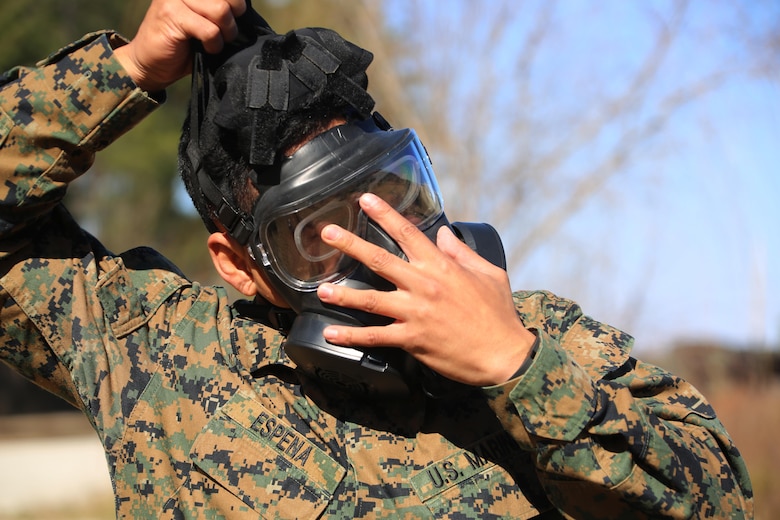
171, 25
362, 336
209, 35
386, 303
222, 14
466, 257
238, 7
377, 259
213, 23
413, 242
217, 24
219, 11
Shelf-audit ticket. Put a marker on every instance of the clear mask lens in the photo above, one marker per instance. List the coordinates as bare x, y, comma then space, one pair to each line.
298, 254
307, 232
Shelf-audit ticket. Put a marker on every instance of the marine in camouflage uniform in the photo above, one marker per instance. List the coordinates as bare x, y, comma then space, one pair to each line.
203, 415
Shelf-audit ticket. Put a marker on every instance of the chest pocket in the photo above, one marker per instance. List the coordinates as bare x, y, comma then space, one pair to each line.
264, 462
473, 484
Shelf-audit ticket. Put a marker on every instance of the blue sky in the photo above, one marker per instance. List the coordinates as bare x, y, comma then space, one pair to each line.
707, 247
700, 238
727, 245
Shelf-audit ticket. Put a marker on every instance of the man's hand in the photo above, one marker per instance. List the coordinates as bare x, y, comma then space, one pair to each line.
161, 51
453, 310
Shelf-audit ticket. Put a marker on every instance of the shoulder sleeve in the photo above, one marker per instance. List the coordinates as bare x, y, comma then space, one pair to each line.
56, 281
53, 118
612, 436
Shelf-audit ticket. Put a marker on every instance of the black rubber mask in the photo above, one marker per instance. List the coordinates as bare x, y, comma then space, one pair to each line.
320, 185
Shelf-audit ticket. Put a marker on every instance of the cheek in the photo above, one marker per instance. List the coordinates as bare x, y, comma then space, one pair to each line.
265, 289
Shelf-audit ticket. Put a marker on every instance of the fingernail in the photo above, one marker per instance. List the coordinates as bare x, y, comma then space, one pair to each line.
324, 291
331, 232
330, 333
369, 199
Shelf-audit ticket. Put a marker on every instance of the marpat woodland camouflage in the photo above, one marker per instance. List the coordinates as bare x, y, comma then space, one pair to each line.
203, 416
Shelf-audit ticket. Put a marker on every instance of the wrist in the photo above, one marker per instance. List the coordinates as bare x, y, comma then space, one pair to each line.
125, 58
146, 78
520, 353
528, 360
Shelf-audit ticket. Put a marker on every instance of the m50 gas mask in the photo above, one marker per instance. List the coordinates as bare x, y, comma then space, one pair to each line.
320, 185
246, 92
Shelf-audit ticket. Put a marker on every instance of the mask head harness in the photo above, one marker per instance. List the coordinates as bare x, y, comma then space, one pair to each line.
249, 92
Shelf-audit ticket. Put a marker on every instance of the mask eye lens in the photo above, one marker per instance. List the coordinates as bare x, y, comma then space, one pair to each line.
402, 185
291, 224
307, 232
397, 184
297, 246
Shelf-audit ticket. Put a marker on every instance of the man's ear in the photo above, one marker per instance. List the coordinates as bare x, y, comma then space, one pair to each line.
232, 263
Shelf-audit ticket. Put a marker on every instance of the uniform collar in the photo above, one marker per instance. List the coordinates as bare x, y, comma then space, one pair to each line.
256, 343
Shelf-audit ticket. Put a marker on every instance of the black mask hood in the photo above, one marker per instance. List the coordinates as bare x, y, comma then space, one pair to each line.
248, 92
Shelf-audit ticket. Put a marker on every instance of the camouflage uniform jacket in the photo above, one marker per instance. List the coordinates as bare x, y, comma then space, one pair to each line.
202, 415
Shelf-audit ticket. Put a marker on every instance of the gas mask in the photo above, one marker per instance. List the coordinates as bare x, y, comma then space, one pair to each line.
320, 185
246, 93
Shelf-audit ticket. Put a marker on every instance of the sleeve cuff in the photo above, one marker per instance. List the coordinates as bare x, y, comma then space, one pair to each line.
528, 360
553, 399
112, 39
88, 82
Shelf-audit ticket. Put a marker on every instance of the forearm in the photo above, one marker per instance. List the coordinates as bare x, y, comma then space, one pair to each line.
638, 442
53, 119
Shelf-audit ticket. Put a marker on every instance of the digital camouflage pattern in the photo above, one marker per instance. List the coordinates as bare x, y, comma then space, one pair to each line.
203, 415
